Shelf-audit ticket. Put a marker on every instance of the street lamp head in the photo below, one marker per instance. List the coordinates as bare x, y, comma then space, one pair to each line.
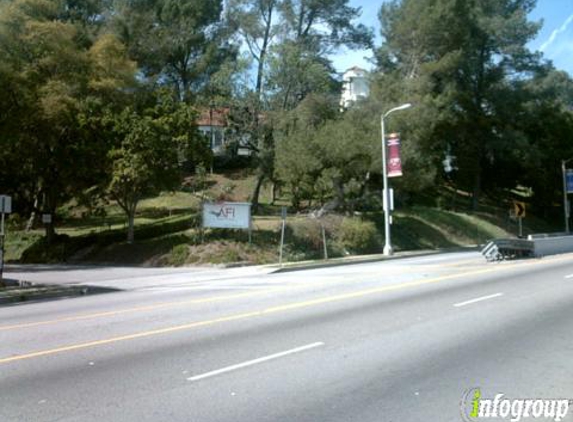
402, 107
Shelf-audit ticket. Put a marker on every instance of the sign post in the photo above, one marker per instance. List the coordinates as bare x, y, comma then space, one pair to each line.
569, 180
324, 240
567, 188
519, 210
5, 208
283, 224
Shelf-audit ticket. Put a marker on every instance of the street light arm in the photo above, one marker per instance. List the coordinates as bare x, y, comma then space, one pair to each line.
392, 110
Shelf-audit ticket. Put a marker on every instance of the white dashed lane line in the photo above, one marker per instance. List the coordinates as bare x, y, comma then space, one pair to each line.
478, 299
255, 361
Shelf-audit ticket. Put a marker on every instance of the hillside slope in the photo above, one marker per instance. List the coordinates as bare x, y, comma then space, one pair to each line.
168, 231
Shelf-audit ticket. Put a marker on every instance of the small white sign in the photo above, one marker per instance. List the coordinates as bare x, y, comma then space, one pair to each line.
227, 215
47, 218
385, 206
5, 204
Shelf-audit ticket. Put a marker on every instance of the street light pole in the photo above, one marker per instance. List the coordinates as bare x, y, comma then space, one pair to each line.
386, 193
565, 204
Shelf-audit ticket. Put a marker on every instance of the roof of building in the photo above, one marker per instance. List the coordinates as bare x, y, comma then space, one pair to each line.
355, 69
213, 117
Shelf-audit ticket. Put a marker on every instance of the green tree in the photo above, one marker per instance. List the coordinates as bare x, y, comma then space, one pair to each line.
151, 147
257, 26
328, 24
312, 30
298, 63
180, 43
545, 121
466, 73
53, 83
325, 155
298, 162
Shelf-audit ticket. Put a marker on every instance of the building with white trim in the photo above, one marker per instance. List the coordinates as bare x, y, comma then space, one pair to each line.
355, 87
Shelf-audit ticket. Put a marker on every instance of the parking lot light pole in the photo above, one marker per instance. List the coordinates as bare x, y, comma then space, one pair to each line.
386, 193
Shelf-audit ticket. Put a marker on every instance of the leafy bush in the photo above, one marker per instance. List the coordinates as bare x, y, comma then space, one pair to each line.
357, 236
303, 239
179, 255
15, 222
65, 246
42, 252
305, 234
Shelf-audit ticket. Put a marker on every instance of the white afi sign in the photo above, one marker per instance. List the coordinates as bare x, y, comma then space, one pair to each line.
227, 215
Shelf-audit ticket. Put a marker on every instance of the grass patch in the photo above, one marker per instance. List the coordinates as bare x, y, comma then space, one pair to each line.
167, 229
17, 242
88, 247
430, 228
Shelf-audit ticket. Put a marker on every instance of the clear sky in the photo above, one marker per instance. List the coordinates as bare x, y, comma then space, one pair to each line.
555, 39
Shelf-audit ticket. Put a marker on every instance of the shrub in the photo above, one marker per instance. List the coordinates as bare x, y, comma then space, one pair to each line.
14, 222
357, 236
42, 252
304, 233
178, 256
65, 246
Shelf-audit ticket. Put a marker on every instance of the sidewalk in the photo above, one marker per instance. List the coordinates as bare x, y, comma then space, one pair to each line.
364, 259
124, 278
31, 282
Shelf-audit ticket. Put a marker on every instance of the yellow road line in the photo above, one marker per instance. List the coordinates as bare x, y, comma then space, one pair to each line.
138, 309
236, 317
163, 305
215, 299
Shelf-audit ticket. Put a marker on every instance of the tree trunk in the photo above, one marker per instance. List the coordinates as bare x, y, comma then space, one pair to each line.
50, 231
274, 189
257, 193
335, 203
130, 226
32, 219
477, 190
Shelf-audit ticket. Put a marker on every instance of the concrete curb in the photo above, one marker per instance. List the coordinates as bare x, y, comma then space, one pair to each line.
364, 259
19, 291
26, 291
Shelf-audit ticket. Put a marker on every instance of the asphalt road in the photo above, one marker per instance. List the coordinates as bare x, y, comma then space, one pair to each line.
390, 341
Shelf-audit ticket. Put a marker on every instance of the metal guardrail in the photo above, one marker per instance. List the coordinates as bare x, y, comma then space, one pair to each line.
501, 249
552, 244
547, 235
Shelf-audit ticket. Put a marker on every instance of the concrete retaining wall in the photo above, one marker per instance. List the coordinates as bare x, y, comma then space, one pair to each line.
552, 245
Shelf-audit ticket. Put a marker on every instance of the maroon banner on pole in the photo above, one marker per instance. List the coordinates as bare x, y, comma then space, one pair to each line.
394, 160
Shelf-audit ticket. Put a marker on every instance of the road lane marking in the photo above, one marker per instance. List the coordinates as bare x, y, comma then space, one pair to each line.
547, 260
569, 276
479, 299
140, 309
111, 340
230, 318
273, 310
255, 361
